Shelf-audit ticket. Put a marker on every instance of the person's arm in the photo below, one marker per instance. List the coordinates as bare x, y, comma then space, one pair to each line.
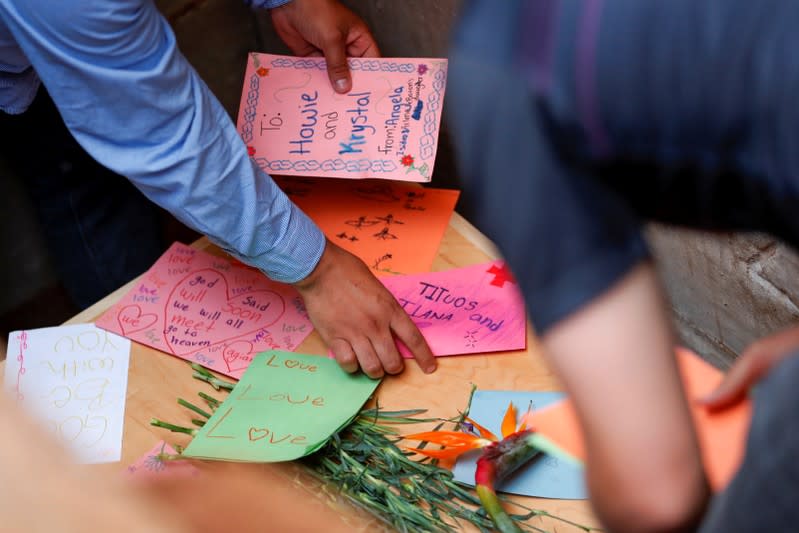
36, 473
135, 104
322, 28
576, 250
615, 357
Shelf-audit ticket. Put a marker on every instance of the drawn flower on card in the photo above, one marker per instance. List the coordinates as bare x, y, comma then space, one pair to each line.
421, 69
154, 464
471, 338
408, 162
263, 71
251, 150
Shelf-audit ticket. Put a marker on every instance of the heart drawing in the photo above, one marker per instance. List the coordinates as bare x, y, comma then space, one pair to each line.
258, 434
237, 355
200, 312
131, 319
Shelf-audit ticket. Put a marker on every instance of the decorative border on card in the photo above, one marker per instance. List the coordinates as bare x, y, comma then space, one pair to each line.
250, 108
22, 337
427, 142
369, 65
310, 165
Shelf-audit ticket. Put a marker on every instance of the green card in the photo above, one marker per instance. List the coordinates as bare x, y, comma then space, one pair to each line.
285, 406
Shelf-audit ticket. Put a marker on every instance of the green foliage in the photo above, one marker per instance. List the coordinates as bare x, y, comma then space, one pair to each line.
365, 465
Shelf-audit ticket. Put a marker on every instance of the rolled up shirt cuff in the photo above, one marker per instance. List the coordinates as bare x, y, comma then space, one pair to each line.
266, 4
296, 254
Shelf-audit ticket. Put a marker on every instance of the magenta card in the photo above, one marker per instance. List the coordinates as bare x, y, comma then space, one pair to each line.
476, 309
151, 465
207, 310
387, 126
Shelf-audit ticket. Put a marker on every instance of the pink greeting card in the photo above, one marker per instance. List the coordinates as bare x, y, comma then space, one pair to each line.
207, 310
387, 126
476, 309
151, 465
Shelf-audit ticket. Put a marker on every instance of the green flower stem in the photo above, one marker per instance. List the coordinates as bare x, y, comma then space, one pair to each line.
189, 405
212, 402
541, 513
172, 427
502, 521
169, 457
498, 461
465, 413
203, 374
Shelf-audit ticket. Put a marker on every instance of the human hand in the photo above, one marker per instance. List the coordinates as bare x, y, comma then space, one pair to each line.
325, 27
358, 317
754, 363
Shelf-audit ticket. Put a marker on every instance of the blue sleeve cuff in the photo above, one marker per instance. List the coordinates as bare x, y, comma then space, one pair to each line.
297, 253
266, 4
279, 239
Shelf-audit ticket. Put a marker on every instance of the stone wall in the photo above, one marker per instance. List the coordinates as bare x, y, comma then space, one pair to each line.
726, 290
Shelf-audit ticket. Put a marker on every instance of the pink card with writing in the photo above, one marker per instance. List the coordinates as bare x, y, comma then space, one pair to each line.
387, 126
151, 465
205, 309
476, 309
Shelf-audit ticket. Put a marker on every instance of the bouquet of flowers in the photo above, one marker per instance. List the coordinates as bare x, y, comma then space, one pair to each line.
365, 465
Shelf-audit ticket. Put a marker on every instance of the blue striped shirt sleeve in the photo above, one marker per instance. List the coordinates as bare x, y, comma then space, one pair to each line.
136, 105
266, 4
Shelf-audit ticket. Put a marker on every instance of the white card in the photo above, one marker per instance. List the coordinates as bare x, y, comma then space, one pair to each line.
74, 379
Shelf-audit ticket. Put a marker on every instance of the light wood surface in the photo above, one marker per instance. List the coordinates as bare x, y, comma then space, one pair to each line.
156, 380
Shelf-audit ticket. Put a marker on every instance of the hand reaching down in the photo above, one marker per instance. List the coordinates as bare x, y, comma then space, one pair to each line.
753, 364
358, 318
325, 27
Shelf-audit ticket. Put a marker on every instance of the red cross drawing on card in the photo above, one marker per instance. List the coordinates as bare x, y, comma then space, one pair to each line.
501, 275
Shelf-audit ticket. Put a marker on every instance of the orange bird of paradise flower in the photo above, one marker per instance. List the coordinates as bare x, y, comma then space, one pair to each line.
498, 459
456, 443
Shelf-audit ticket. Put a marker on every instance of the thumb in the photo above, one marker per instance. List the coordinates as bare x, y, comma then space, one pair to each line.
337, 68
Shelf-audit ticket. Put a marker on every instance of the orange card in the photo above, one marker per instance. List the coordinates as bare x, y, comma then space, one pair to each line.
722, 435
395, 228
